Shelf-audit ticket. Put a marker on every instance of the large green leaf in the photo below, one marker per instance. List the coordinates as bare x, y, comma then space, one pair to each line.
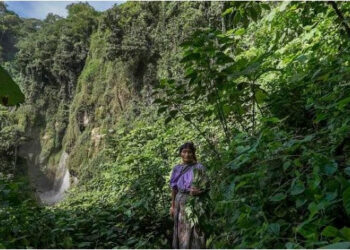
345, 233
260, 96
339, 245
274, 228
330, 231
10, 93
346, 200
297, 188
343, 102
278, 197
228, 11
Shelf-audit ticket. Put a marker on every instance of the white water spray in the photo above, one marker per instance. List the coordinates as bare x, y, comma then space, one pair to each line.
61, 183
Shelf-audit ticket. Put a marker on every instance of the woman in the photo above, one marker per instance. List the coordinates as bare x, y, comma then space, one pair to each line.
187, 180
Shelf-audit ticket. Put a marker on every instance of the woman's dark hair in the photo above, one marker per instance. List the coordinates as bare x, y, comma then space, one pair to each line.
190, 146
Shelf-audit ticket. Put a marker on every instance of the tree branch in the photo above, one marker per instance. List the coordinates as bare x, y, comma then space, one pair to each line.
340, 15
200, 132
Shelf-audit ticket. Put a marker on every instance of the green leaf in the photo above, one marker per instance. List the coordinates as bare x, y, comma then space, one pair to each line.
278, 197
271, 119
300, 202
191, 74
190, 57
330, 168
260, 96
330, 231
342, 103
265, 6
239, 32
301, 58
128, 213
308, 138
320, 117
236, 18
253, 14
346, 200
84, 244
291, 245
330, 196
274, 228
345, 232
297, 188
227, 11
315, 182
308, 231
313, 208
67, 242
339, 245
10, 93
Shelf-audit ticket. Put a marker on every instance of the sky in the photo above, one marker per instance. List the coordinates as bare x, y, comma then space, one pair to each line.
40, 9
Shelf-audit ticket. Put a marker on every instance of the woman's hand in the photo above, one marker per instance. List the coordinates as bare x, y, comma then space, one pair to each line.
195, 191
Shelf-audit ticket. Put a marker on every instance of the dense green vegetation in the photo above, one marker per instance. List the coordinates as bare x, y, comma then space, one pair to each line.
261, 88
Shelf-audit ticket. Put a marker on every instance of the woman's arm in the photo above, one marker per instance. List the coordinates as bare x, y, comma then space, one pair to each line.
173, 185
195, 191
173, 195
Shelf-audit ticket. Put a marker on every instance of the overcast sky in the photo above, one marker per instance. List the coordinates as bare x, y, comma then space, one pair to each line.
40, 9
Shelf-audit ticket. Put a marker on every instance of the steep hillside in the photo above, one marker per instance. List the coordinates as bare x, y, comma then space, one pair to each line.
80, 73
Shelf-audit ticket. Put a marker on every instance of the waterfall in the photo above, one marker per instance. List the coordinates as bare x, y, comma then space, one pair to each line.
61, 183
50, 188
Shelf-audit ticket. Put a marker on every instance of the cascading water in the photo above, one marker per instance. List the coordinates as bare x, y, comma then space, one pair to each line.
61, 183
50, 189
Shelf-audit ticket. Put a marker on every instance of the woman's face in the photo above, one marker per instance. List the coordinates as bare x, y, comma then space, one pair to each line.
187, 155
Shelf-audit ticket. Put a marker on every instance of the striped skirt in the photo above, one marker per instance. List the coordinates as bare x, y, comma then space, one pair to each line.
185, 235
